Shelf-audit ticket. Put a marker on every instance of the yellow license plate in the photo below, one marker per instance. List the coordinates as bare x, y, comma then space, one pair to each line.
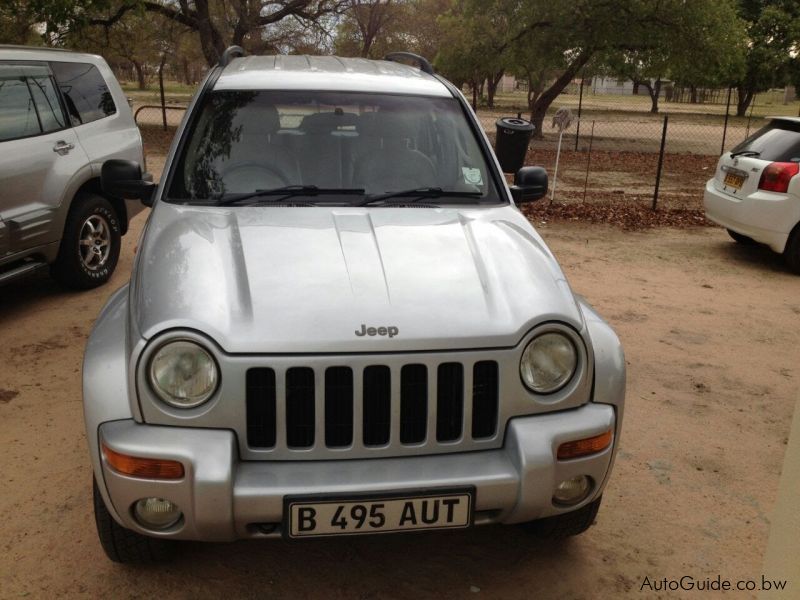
733, 180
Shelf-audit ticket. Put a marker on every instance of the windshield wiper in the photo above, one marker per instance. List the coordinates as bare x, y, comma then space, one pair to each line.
418, 194
745, 153
286, 192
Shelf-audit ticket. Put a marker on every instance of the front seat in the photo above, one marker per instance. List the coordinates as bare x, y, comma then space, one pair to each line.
257, 161
393, 165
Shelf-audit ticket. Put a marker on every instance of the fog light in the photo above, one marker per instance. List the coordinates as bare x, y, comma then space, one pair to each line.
571, 491
156, 513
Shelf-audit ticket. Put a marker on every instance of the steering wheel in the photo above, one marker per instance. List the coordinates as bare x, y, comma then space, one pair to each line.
250, 176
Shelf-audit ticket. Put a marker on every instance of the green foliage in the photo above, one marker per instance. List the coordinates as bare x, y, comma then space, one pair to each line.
409, 25
707, 51
16, 23
773, 30
475, 37
549, 42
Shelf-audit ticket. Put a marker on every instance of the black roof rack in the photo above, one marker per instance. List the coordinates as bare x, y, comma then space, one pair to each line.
423, 63
230, 53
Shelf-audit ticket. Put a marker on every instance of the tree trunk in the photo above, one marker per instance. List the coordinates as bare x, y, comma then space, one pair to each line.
492, 83
693, 90
654, 96
636, 84
185, 70
654, 91
141, 78
474, 85
744, 96
211, 41
547, 97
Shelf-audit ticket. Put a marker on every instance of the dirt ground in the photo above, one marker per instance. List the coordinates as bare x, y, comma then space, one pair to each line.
710, 333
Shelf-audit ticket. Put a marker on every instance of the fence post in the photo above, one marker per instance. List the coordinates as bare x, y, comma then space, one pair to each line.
750, 117
660, 161
725, 128
580, 105
161, 90
588, 161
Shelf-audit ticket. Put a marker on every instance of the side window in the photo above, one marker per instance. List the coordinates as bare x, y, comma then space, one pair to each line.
85, 91
46, 99
17, 112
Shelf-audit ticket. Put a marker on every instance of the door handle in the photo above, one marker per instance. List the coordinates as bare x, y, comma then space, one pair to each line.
62, 147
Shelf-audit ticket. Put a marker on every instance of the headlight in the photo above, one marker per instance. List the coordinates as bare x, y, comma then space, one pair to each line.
183, 374
548, 363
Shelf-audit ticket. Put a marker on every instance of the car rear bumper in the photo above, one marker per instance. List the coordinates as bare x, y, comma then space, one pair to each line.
223, 498
765, 217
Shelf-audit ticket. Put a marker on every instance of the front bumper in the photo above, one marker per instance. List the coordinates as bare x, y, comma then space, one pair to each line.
224, 499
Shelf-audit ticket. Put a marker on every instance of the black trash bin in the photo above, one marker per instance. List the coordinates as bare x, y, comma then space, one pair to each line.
513, 136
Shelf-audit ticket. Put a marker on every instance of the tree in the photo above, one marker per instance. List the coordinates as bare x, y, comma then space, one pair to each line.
571, 33
475, 43
423, 31
373, 29
773, 34
708, 52
364, 21
16, 23
217, 23
138, 40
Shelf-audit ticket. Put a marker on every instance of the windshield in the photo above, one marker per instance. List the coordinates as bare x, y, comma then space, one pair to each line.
330, 147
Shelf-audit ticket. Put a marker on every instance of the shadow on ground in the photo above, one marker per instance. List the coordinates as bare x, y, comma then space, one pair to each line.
756, 256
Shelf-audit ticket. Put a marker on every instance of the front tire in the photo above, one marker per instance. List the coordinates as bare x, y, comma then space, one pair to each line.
741, 239
90, 245
565, 525
123, 545
791, 254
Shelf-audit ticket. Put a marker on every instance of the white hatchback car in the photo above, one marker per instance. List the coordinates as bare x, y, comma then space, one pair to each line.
755, 192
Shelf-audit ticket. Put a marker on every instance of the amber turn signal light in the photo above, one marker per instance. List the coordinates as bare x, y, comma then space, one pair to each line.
147, 468
585, 446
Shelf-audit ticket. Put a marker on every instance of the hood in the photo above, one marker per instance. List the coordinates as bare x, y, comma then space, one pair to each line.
321, 279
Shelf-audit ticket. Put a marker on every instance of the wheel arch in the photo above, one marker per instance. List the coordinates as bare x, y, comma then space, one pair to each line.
92, 186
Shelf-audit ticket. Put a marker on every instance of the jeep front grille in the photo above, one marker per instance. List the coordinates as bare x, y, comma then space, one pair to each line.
361, 400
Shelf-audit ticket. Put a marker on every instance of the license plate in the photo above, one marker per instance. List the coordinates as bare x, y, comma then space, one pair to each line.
377, 513
733, 180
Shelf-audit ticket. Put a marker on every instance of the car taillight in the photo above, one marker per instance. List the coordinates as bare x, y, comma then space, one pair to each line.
776, 176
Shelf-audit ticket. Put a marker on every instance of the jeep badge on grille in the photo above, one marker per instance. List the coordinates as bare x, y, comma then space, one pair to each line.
391, 331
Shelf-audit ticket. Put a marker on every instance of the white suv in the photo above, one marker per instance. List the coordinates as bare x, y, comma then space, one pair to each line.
755, 192
62, 114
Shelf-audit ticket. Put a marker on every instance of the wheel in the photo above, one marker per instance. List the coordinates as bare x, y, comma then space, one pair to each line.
123, 545
90, 246
742, 239
791, 254
565, 525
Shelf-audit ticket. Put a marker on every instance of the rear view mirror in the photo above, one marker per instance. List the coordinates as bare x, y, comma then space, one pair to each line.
124, 179
530, 183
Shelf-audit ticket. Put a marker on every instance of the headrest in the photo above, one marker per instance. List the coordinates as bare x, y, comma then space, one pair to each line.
386, 125
259, 117
326, 122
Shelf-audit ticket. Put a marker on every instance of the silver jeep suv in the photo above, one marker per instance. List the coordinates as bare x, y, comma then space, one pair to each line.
62, 114
340, 323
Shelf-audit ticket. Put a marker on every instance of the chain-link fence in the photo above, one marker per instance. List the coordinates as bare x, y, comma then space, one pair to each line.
148, 115
613, 147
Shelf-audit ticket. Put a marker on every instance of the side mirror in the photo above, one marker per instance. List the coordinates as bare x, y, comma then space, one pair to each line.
124, 179
530, 183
